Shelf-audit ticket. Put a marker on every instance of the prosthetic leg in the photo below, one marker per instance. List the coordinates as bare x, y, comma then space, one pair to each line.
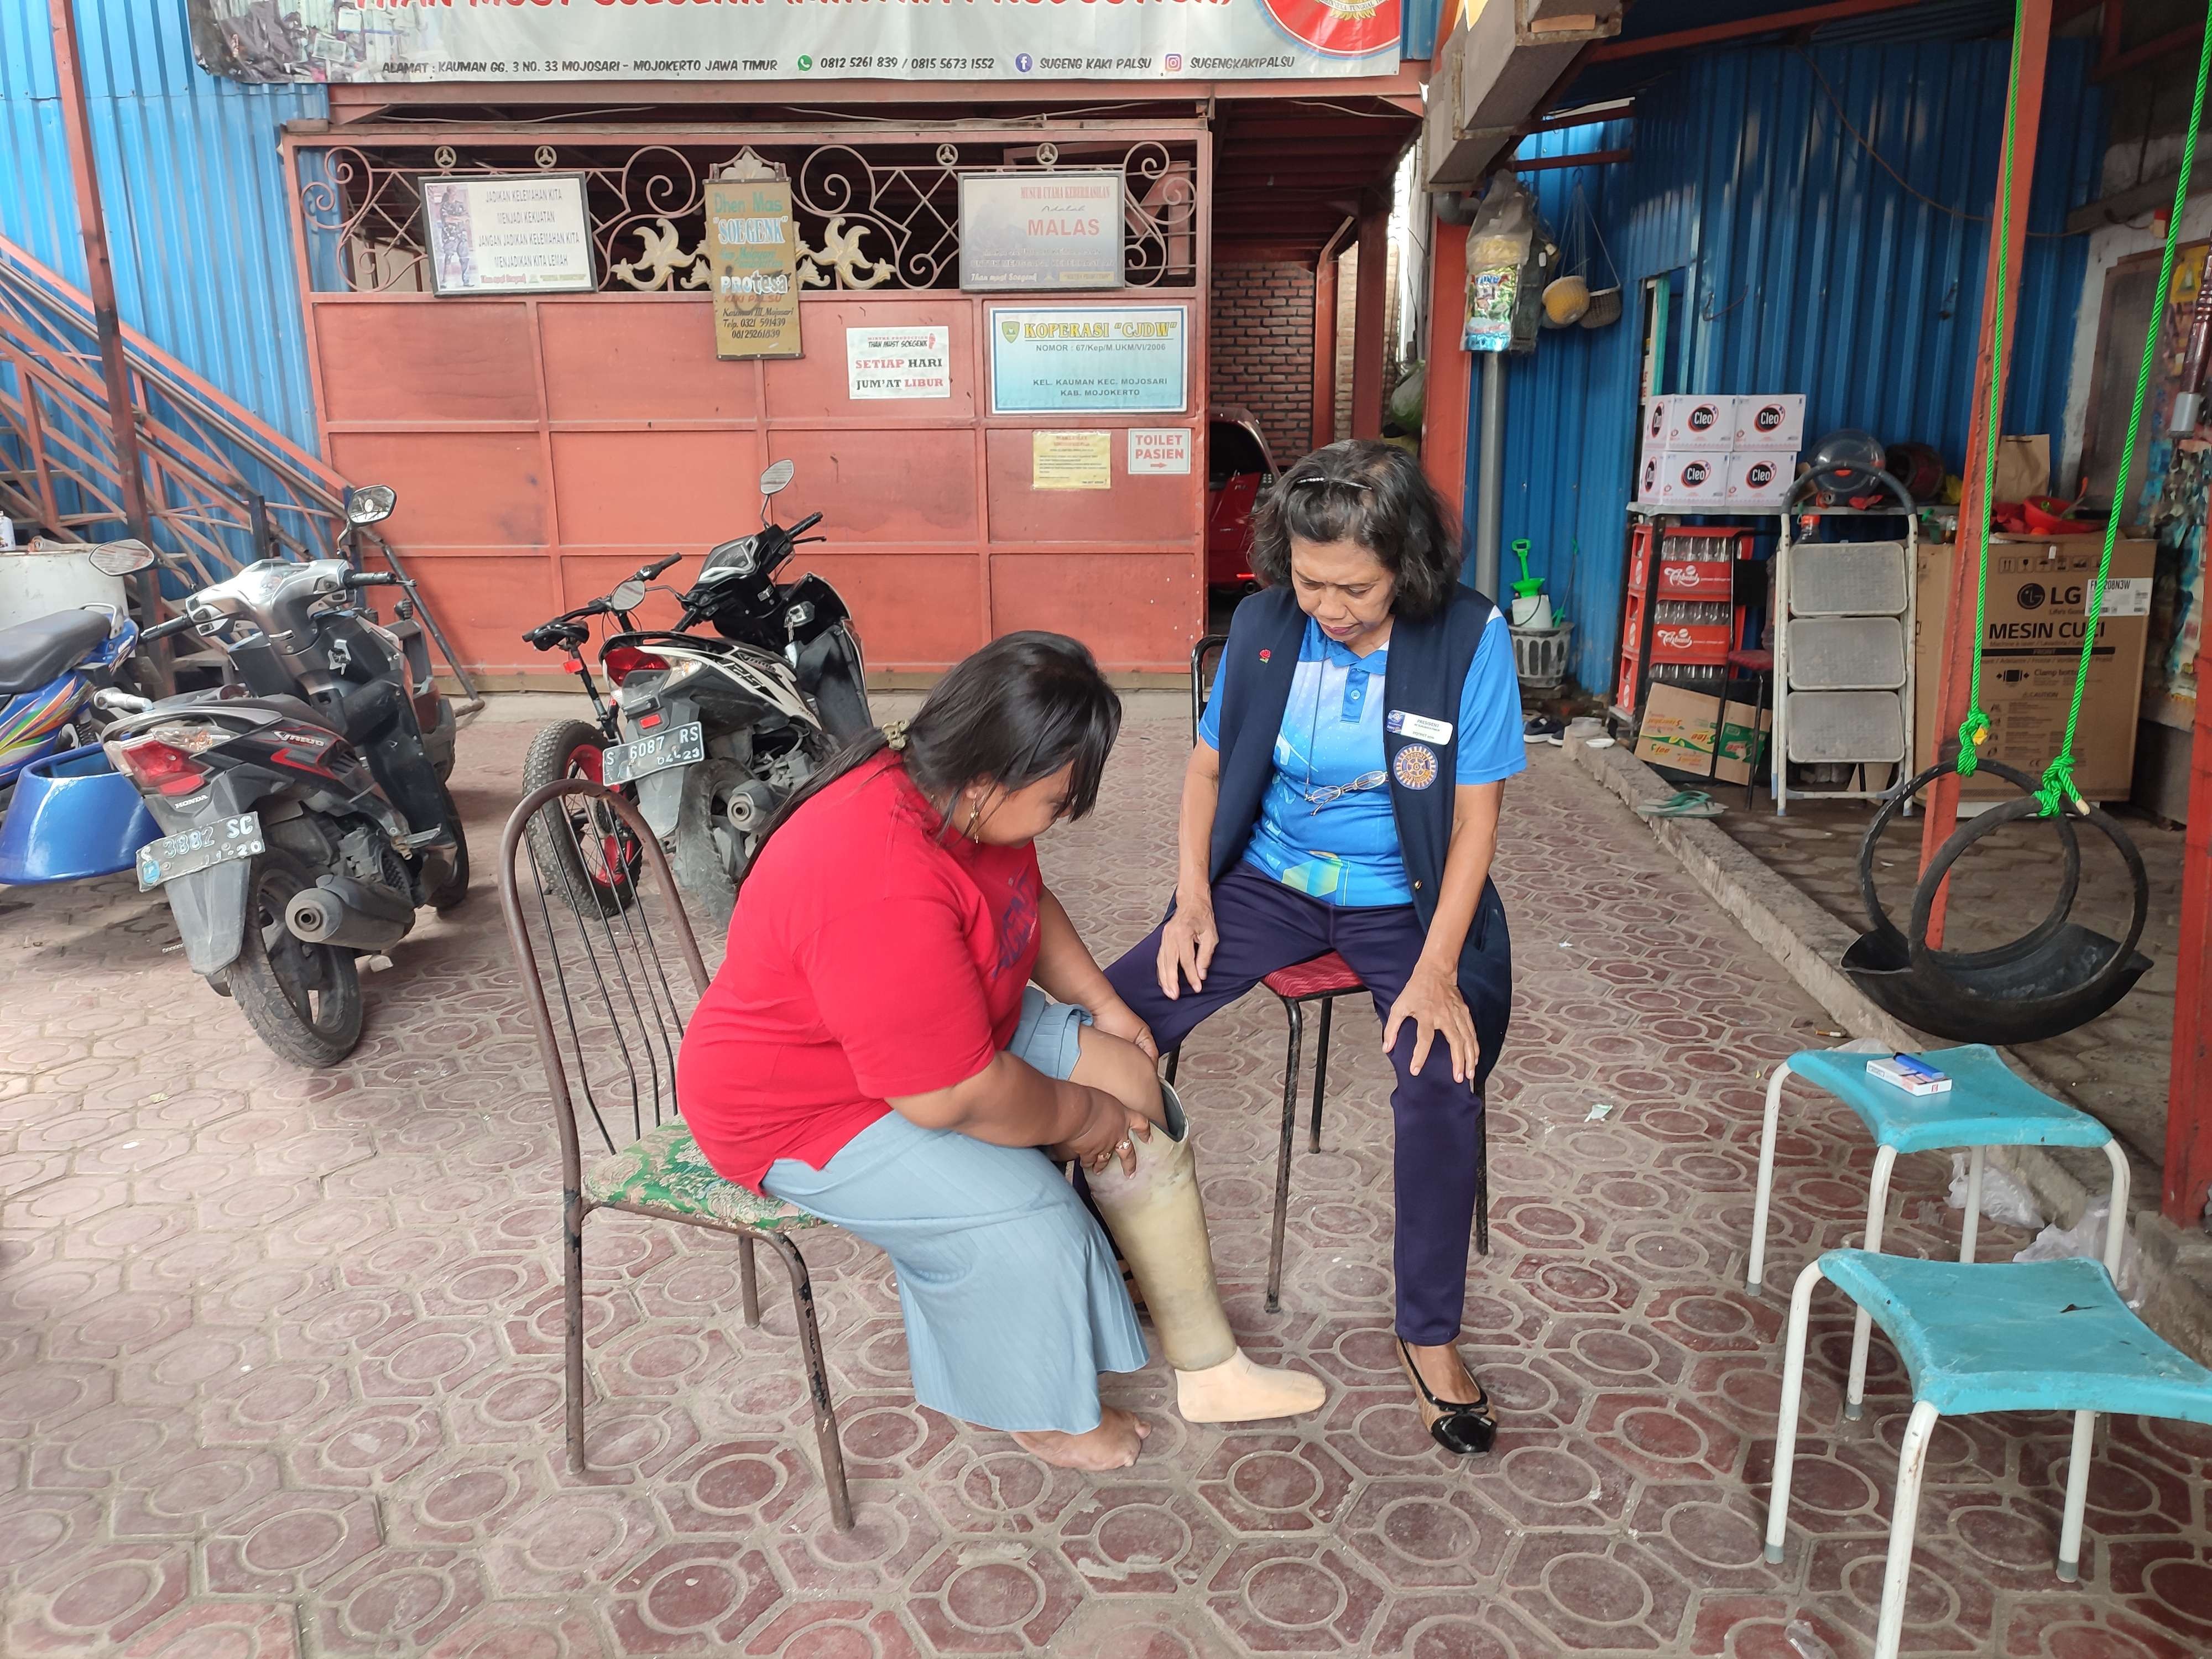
1157, 1219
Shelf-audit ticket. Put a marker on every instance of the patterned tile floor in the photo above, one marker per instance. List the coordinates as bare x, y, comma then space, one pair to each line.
279, 1365
2116, 1067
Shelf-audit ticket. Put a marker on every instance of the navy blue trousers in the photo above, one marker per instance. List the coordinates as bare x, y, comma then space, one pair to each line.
1265, 926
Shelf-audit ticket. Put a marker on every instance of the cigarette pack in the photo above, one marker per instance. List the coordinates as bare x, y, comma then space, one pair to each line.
1911, 1073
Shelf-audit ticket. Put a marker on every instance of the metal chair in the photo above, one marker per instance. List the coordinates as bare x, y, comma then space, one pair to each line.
613, 1043
1322, 979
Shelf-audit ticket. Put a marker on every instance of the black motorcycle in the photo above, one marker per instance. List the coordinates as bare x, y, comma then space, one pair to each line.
710, 733
304, 798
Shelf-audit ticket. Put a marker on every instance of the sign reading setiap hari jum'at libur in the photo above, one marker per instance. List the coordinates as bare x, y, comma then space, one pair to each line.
754, 247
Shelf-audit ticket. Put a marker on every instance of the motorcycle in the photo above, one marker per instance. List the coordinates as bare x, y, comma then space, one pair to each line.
50, 665
304, 802
597, 864
715, 733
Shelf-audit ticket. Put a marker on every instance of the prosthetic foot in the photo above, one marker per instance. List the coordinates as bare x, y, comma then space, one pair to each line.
1157, 1219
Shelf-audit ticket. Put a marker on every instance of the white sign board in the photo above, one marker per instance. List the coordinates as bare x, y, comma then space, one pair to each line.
518, 234
1101, 359
1039, 230
1159, 449
899, 362
339, 40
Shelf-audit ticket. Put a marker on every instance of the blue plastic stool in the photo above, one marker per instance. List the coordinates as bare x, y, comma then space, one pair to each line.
1985, 1106
1994, 1336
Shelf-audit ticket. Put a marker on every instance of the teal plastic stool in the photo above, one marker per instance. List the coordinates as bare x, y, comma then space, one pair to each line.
1985, 1106
1993, 1336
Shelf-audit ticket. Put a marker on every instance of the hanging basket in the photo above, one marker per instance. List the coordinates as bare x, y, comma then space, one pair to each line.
1604, 308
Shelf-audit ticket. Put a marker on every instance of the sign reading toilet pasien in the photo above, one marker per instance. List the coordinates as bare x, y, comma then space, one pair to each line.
1159, 449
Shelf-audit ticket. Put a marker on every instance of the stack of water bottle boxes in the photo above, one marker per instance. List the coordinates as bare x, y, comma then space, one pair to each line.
1720, 453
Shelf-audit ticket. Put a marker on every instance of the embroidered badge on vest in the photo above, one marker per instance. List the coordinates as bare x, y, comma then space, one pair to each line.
1264, 655
1415, 766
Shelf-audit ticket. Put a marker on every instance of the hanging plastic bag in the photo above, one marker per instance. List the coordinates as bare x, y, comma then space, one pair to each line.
1509, 256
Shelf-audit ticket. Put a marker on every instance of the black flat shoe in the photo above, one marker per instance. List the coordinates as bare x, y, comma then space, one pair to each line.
1464, 1426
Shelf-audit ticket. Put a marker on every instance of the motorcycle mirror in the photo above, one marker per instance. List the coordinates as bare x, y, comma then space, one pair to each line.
776, 477
371, 503
627, 596
124, 558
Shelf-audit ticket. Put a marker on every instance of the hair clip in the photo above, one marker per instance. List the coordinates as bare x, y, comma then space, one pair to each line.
895, 736
1331, 483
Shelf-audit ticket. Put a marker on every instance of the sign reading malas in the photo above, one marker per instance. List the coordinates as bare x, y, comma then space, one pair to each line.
754, 250
793, 40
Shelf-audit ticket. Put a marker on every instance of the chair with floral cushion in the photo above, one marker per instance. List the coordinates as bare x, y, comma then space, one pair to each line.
608, 1034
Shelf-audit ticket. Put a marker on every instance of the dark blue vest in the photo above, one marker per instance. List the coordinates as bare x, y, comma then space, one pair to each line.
1428, 665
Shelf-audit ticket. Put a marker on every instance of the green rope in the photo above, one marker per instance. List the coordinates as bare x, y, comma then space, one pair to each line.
2058, 777
1975, 728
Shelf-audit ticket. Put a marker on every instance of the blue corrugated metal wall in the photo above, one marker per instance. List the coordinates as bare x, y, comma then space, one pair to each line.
1804, 267
193, 188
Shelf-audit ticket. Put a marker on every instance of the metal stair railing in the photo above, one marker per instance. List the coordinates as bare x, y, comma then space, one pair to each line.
222, 487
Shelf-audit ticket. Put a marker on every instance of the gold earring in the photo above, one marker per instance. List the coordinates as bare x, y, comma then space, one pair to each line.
974, 811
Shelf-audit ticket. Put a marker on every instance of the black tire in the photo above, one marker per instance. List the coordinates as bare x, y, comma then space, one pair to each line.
604, 883
710, 852
303, 1000
454, 891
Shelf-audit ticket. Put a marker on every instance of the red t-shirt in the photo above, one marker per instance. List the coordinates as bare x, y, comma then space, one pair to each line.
871, 955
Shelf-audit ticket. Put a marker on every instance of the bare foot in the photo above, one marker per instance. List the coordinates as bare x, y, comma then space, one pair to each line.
1114, 1445
1444, 1371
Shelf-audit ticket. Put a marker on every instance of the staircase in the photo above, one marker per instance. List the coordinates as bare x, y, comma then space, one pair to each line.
222, 488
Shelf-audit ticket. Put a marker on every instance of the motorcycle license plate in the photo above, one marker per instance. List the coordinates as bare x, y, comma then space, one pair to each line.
197, 849
679, 746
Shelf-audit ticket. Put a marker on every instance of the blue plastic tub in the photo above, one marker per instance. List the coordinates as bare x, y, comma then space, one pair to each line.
73, 816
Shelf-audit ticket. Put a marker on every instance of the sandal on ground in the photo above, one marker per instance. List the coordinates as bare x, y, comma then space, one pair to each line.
1682, 804
1464, 1426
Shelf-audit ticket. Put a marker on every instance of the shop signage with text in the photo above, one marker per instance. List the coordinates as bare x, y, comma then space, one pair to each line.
1166, 41
525, 234
754, 250
1040, 230
1100, 358
899, 362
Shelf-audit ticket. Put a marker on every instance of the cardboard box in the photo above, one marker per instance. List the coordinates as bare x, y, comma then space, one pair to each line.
1688, 422
1678, 731
1769, 421
1684, 479
1760, 483
2038, 595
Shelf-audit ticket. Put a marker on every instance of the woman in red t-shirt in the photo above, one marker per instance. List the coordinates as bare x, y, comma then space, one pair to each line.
873, 1049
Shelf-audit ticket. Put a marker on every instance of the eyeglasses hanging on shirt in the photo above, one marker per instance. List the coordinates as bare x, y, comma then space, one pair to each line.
1336, 792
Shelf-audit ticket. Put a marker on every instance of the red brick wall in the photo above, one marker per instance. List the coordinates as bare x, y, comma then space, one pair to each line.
1262, 351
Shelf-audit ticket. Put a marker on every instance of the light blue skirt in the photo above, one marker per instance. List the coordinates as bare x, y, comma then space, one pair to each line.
1013, 1299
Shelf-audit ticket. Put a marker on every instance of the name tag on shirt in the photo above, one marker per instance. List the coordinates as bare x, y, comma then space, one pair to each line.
1419, 726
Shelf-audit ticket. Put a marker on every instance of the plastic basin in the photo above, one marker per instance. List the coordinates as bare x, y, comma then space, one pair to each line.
73, 816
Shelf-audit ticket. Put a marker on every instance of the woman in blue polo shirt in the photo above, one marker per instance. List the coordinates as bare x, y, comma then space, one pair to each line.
1344, 796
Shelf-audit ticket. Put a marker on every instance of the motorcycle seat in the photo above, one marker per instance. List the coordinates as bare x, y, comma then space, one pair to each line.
285, 704
35, 652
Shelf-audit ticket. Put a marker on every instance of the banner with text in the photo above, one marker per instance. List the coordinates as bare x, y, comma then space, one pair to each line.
347, 40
